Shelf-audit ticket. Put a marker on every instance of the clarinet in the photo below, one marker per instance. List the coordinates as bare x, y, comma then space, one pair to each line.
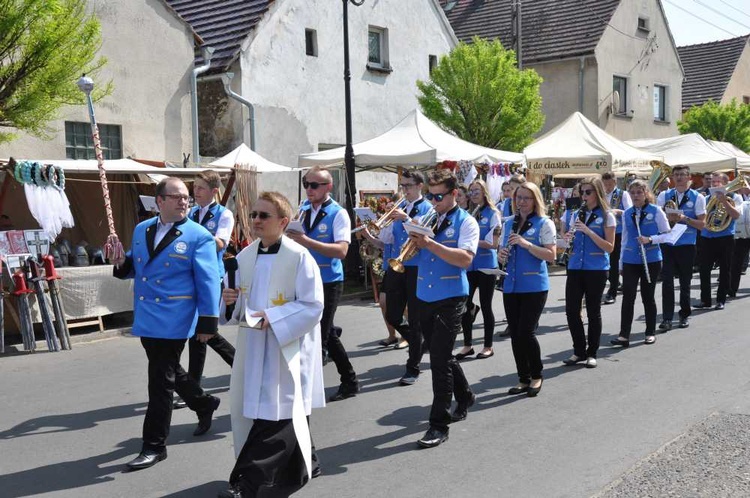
640, 245
580, 215
504, 266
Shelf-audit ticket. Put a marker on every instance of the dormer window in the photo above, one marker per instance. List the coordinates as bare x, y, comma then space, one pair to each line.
643, 24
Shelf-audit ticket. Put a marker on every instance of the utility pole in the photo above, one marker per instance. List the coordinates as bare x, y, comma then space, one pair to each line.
517, 31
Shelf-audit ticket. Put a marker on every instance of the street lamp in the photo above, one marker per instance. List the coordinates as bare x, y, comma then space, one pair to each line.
351, 186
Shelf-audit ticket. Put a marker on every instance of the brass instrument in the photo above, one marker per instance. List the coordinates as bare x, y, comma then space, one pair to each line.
661, 172
374, 227
718, 218
410, 249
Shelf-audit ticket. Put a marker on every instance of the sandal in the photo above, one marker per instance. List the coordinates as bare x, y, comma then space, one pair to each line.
388, 342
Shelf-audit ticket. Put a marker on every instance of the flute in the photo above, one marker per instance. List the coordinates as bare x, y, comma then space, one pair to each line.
640, 244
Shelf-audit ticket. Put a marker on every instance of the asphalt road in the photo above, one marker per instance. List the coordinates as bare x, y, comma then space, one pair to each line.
661, 420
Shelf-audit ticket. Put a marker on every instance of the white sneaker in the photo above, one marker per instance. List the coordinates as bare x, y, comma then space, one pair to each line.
590, 362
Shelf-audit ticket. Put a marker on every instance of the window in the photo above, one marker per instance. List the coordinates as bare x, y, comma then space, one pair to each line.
660, 103
643, 24
377, 48
433, 62
80, 145
620, 95
746, 99
311, 42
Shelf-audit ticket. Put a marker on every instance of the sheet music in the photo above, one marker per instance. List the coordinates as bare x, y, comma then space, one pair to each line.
295, 226
365, 213
418, 229
675, 234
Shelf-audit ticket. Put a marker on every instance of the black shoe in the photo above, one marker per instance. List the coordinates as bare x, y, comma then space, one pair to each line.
178, 403
684, 323
573, 360
608, 299
345, 391
732, 294
533, 391
234, 491
618, 342
702, 306
665, 326
462, 408
474, 313
719, 306
433, 437
146, 459
519, 389
316, 472
484, 356
461, 356
205, 417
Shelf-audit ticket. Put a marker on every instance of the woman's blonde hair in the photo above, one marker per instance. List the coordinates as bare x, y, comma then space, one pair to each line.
485, 194
596, 182
539, 207
642, 184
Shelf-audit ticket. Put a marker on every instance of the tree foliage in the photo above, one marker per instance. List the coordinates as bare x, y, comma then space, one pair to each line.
478, 93
45, 46
724, 122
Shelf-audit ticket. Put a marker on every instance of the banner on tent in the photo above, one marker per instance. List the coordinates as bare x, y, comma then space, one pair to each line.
561, 166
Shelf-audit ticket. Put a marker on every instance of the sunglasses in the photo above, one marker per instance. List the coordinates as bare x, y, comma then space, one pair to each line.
260, 214
436, 197
313, 185
587, 192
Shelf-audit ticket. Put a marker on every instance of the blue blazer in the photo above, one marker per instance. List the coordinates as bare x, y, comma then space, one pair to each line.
175, 291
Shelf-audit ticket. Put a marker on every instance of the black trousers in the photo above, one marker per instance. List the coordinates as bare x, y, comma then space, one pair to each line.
614, 265
716, 250
270, 463
197, 354
739, 256
678, 260
631, 275
165, 376
331, 342
402, 291
441, 322
522, 311
589, 284
486, 285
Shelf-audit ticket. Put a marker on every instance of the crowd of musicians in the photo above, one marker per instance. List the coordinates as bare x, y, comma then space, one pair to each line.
442, 244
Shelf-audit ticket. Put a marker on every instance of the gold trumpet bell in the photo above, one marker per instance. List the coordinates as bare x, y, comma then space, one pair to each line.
661, 172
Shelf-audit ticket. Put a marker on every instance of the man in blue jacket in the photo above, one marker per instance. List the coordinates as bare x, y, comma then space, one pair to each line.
174, 265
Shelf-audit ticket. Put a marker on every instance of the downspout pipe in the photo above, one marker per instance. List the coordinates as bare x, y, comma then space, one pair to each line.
208, 52
226, 79
581, 68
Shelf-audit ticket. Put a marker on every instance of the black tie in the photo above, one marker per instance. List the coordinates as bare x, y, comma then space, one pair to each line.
197, 216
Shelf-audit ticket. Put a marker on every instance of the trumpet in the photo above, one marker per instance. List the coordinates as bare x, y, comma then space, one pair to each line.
374, 227
410, 249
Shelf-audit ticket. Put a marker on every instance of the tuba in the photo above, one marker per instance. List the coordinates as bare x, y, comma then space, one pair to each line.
718, 219
661, 172
410, 249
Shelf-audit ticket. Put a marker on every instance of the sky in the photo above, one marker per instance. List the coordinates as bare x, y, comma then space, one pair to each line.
701, 21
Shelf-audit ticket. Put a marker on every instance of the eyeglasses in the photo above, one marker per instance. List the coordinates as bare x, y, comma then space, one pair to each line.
436, 197
313, 185
407, 185
177, 197
523, 198
587, 191
475, 191
260, 214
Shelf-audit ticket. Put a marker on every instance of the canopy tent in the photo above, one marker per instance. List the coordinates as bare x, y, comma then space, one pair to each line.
577, 145
743, 158
690, 150
121, 166
244, 155
414, 141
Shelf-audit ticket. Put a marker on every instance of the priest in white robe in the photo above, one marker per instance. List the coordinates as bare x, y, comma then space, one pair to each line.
277, 377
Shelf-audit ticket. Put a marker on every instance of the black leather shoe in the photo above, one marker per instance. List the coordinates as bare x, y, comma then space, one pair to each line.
574, 360
665, 326
205, 417
316, 472
461, 356
234, 491
731, 294
146, 459
462, 408
533, 391
345, 391
433, 437
474, 313
178, 403
484, 356
618, 342
719, 306
519, 389
684, 323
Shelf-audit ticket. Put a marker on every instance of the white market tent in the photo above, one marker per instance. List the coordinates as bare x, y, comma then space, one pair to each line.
743, 158
244, 155
120, 166
577, 145
414, 141
690, 150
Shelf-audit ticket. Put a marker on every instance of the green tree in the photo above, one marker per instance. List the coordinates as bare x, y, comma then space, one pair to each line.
45, 46
725, 122
478, 93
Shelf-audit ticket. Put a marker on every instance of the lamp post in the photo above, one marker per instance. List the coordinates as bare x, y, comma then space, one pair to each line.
351, 185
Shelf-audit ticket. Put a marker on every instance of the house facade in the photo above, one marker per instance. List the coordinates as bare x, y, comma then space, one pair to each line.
718, 71
615, 61
150, 53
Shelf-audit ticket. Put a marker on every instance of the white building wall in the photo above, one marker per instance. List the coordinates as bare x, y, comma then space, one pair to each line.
150, 56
